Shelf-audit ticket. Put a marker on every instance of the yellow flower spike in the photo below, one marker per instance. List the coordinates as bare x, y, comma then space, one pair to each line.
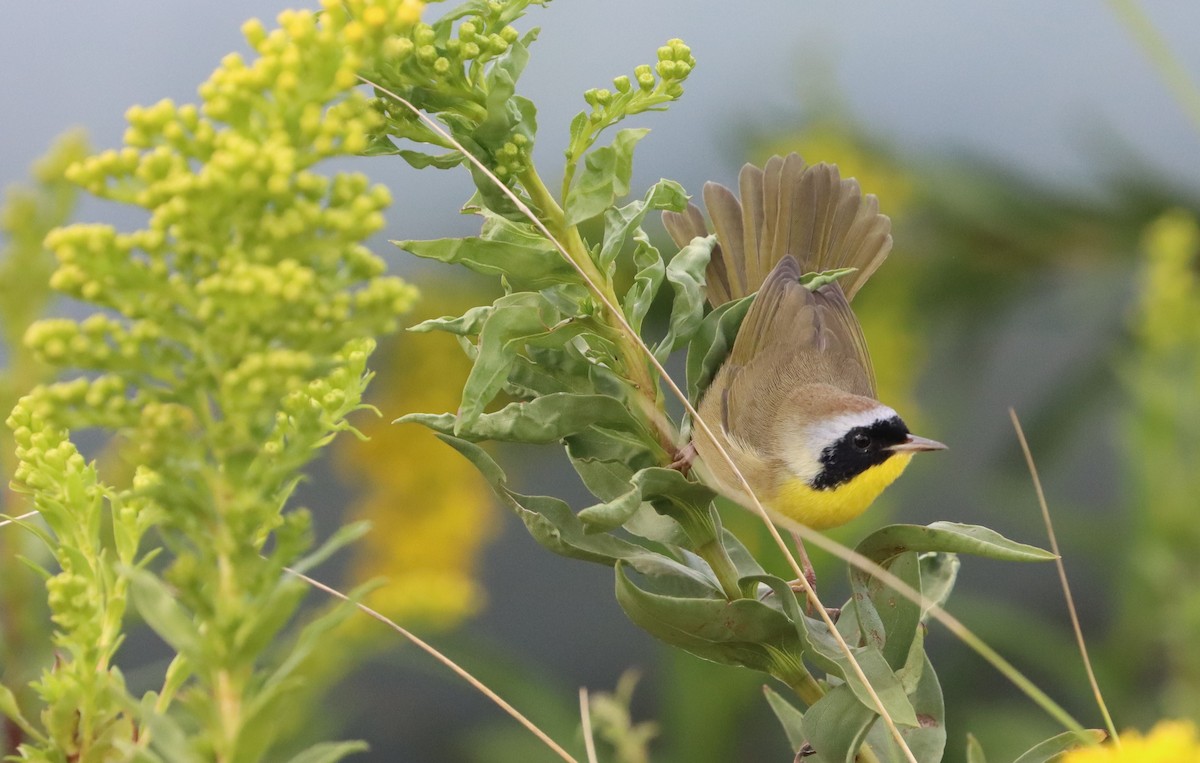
1167, 742
353, 32
374, 17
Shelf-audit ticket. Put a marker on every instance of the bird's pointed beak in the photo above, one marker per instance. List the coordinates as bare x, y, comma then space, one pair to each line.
916, 444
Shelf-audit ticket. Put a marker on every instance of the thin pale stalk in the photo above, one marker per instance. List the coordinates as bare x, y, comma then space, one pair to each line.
1176, 77
636, 338
1062, 576
433, 652
585, 715
14, 520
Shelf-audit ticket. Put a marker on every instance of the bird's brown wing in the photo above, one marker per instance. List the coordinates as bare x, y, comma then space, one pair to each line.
786, 207
794, 336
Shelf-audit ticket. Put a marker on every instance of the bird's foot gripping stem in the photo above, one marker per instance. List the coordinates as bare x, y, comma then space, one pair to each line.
684, 457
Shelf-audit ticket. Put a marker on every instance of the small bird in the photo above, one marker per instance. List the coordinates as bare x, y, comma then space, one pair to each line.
794, 404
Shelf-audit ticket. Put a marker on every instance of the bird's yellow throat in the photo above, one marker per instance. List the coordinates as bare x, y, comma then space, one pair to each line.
822, 509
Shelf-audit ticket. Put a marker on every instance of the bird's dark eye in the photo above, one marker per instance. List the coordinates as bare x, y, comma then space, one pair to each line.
862, 441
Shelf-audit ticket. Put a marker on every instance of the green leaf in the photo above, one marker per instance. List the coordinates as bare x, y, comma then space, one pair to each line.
711, 343
329, 752
888, 620
927, 738
467, 324
685, 272
11, 710
514, 320
887, 542
605, 177
159, 607
552, 524
814, 281
420, 160
974, 750
939, 571
823, 649
742, 632
646, 282
545, 419
531, 266
341, 538
789, 717
168, 738
668, 490
836, 725
1057, 745
621, 222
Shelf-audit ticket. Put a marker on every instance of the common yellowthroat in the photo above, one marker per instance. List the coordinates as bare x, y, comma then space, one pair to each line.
794, 404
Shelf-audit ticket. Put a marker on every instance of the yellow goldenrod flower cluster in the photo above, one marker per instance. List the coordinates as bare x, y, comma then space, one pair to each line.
1167, 742
229, 343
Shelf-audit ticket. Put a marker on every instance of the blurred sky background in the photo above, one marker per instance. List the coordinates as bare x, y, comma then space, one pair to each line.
1040, 86
1056, 91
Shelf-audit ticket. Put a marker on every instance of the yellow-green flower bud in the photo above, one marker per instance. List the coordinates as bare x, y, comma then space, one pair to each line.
398, 48
622, 84
427, 54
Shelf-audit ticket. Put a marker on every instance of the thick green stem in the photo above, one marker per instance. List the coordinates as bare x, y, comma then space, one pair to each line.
631, 358
715, 553
807, 689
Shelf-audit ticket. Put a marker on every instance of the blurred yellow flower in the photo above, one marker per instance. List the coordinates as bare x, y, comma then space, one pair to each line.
430, 512
1167, 742
1170, 307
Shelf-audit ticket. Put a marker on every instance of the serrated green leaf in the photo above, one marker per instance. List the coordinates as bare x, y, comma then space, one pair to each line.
646, 282
514, 320
669, 491
605, 517
420, 160
789, 717
887, 542
939, 571
552, 524
685, 273
467, 324
545, 419
742, 632
814, 281
379, 144
975, 750
710, 344
162, 612
329, 752
532, 266
621, 222
1046, 751
606, 459
836, 726
605, 177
